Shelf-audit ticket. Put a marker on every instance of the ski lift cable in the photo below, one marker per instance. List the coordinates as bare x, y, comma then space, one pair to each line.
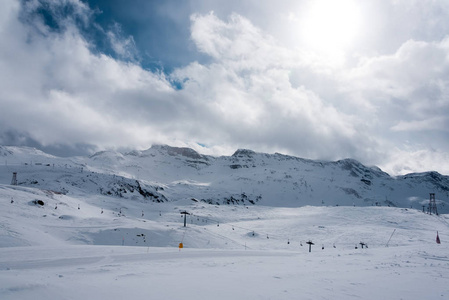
270, 235
225, 224
185, 231
226, 238
273, 236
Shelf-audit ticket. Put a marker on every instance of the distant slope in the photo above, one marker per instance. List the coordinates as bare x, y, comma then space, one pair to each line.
35, 217
163, 173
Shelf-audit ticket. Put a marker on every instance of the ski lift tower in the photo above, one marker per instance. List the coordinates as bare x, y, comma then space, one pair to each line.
185, 213
432, 204
14, 178
310, 245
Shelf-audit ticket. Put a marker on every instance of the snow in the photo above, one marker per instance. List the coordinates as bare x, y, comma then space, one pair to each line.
245, 178
89, 255
98, 272
88, 245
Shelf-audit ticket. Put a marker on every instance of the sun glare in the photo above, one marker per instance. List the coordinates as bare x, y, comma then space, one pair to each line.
330, 25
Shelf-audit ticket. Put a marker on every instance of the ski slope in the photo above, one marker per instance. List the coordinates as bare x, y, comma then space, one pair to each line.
114, 272
102, 247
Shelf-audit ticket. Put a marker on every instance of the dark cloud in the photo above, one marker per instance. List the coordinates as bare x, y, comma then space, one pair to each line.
14, 138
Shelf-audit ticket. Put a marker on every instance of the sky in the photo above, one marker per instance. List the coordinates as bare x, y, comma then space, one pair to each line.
326, 80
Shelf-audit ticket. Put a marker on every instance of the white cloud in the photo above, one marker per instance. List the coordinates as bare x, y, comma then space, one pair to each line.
256, 93
125, 48
247, 95
432, 123
56, 89
237, 43
420, 159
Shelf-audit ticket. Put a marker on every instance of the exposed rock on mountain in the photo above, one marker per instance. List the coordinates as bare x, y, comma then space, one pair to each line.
164, 173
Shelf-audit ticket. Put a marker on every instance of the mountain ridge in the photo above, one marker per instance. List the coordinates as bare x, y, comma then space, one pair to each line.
246, 177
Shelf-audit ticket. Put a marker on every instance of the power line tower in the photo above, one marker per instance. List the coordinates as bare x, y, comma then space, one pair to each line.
432, 204
14, 178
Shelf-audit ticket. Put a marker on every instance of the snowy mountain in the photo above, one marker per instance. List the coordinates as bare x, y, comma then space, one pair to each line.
163, 173
109, 226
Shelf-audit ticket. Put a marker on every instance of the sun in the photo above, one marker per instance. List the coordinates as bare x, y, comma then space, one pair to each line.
330, 25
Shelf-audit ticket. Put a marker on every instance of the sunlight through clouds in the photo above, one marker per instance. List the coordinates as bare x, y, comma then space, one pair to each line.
330, 26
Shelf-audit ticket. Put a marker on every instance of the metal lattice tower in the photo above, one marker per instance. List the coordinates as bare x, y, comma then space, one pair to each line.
14, 178
432, 204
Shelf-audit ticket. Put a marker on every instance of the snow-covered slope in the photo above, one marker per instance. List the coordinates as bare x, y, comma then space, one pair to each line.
163, 173
56, 246
109, 227
35, 217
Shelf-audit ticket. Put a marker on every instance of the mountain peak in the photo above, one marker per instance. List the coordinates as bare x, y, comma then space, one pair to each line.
246, 177
243, 153
174, 151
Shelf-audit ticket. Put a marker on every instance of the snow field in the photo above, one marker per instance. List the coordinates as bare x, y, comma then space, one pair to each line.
87, 254
114, 272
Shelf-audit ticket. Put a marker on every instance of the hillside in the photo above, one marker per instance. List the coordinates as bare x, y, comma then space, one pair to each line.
163, 173
35, 217
110, 226
84, 247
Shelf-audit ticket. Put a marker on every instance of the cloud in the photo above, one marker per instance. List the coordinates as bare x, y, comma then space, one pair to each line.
361, 112
239, 44
248, 97
416, 159
432, 123
16, 138
408, 89
58, 91
124, 47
